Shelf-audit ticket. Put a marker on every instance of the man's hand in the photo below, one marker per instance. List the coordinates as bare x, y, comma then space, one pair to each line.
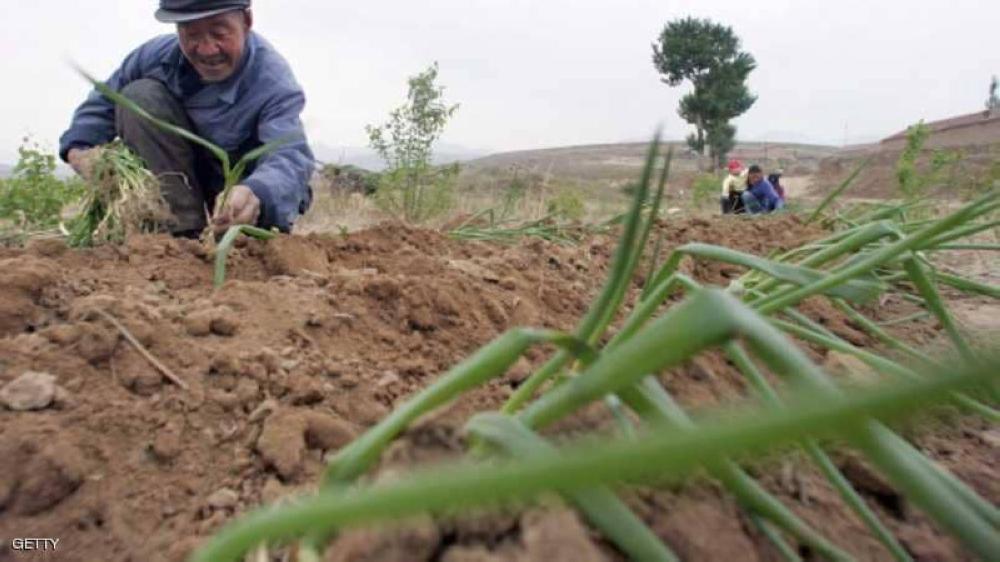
243, 207
82, 160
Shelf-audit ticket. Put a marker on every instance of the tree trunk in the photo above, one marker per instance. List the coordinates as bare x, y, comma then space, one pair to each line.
700, 130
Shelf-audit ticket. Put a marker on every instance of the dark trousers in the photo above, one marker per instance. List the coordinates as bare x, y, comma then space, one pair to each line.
754, 206
190, 176
733, 204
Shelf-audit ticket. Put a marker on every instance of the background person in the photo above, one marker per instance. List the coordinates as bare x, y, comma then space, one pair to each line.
775, 179
760, 197
732, 187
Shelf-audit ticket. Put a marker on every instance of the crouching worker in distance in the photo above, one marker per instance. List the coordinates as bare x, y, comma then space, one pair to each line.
775, 179
760, 196
732, 188
221, 80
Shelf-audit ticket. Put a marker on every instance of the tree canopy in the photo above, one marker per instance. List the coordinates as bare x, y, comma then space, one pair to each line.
709, 56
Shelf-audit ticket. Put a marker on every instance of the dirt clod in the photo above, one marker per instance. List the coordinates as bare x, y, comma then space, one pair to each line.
23, 279
557, 536
282, 442
705, 529
417, 540
472, 554
167, 444
198, 323
327, 432
40, 478
223, 498
30, 391
273, 491
225, 324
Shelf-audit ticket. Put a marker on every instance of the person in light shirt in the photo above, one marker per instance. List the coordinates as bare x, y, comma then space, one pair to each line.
732, 188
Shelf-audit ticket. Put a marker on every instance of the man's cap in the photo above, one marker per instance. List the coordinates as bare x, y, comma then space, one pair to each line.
180, 11
735, 165
755, 169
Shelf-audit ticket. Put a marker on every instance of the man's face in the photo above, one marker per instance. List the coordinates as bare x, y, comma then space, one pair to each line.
756, 177
214, 45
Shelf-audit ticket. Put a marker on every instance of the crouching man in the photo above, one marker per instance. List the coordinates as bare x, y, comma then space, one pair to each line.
760, 196
219, 79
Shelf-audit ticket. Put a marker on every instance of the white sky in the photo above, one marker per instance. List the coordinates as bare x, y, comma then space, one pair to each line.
535, 73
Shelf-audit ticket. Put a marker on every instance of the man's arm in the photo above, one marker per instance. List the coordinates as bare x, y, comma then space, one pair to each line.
93, 122
281, 179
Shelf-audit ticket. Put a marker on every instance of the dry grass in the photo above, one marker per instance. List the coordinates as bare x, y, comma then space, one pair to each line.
339, 211
598, 176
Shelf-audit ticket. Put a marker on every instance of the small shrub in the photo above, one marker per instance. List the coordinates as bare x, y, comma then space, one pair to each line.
914, 182
33, 197
417, 195
412, 188
512, 196
705, 190
567, 205
906, 166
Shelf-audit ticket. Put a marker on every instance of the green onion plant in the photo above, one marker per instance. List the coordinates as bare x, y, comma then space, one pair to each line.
756, 323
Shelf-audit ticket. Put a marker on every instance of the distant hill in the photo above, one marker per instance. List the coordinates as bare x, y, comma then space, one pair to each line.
622, 161
973, 138
364, 157
5, 170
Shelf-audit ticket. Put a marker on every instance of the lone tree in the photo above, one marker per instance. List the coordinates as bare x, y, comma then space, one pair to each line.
993, 102
708, 55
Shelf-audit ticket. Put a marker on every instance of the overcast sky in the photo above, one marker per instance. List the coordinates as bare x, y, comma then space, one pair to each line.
537, 73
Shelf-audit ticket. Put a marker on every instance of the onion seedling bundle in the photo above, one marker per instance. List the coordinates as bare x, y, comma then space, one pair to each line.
122, 198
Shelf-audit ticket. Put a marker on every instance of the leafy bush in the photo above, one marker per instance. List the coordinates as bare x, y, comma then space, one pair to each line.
33, 197
906, 166
412, 188
914, 183
705, 190
417, 194
567, 204
513, 194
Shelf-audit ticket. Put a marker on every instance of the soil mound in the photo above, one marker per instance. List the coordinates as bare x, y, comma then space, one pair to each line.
311, 340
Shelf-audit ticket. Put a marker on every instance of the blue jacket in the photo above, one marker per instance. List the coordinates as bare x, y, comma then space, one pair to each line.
766, 194
261, 102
